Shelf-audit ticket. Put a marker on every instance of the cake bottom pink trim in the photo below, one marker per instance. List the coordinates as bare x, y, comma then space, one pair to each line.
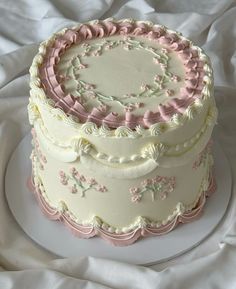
121, 239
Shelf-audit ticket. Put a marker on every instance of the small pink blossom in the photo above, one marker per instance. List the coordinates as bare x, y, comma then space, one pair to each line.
73, 171
139, 104
102, 188
136, 198
73, 189
62, 174
64, 181
144, 87
82, 178
146, 182
163, 66
157, 77
175, 78
92, 181
163, 195
134, 190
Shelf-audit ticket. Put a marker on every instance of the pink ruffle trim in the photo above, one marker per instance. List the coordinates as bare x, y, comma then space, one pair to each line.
122, 239
70, 105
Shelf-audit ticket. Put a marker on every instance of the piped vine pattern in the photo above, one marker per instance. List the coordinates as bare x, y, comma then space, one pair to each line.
84, 91
78, 183
159, 187
37, 153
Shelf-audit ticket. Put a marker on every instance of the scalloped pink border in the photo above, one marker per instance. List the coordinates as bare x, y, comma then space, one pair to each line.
71, 106
122, 239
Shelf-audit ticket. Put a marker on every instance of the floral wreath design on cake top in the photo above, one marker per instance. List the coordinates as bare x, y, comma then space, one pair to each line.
84, 91
79, 182
44, 80
159, 186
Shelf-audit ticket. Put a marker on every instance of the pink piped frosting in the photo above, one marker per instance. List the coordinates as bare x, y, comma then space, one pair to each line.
70, 105
121, 239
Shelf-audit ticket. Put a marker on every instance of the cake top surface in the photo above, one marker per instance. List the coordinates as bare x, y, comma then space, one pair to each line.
123, 73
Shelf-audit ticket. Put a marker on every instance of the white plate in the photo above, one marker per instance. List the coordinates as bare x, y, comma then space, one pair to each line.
55, 237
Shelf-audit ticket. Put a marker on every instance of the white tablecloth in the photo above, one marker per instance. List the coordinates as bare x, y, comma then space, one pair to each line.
23, 24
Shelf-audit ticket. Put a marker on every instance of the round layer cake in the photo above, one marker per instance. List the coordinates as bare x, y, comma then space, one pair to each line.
122, 114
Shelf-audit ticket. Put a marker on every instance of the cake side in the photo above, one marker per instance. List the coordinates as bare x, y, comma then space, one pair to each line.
121, 211
121, 161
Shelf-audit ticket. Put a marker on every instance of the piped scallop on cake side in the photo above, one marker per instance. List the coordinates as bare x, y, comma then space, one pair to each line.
122, 114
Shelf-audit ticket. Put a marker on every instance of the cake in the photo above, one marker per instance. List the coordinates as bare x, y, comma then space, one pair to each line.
122, 114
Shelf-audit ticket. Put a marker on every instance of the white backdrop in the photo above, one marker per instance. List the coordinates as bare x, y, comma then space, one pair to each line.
23, 24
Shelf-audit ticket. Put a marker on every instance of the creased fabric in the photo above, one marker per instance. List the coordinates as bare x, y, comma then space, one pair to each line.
23, 24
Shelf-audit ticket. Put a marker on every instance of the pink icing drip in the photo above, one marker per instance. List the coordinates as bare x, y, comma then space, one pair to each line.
122, 239
189, 56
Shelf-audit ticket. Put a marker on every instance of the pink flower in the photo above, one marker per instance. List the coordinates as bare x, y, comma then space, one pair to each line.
144, 87
62, 174
136, 198
73, 171
163, 195
139, 104
73, 189
158, 179
64, 181
157, 77
102, 188
134, 190
146, 182
82, 178
163, 66
92, 181
175, 78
